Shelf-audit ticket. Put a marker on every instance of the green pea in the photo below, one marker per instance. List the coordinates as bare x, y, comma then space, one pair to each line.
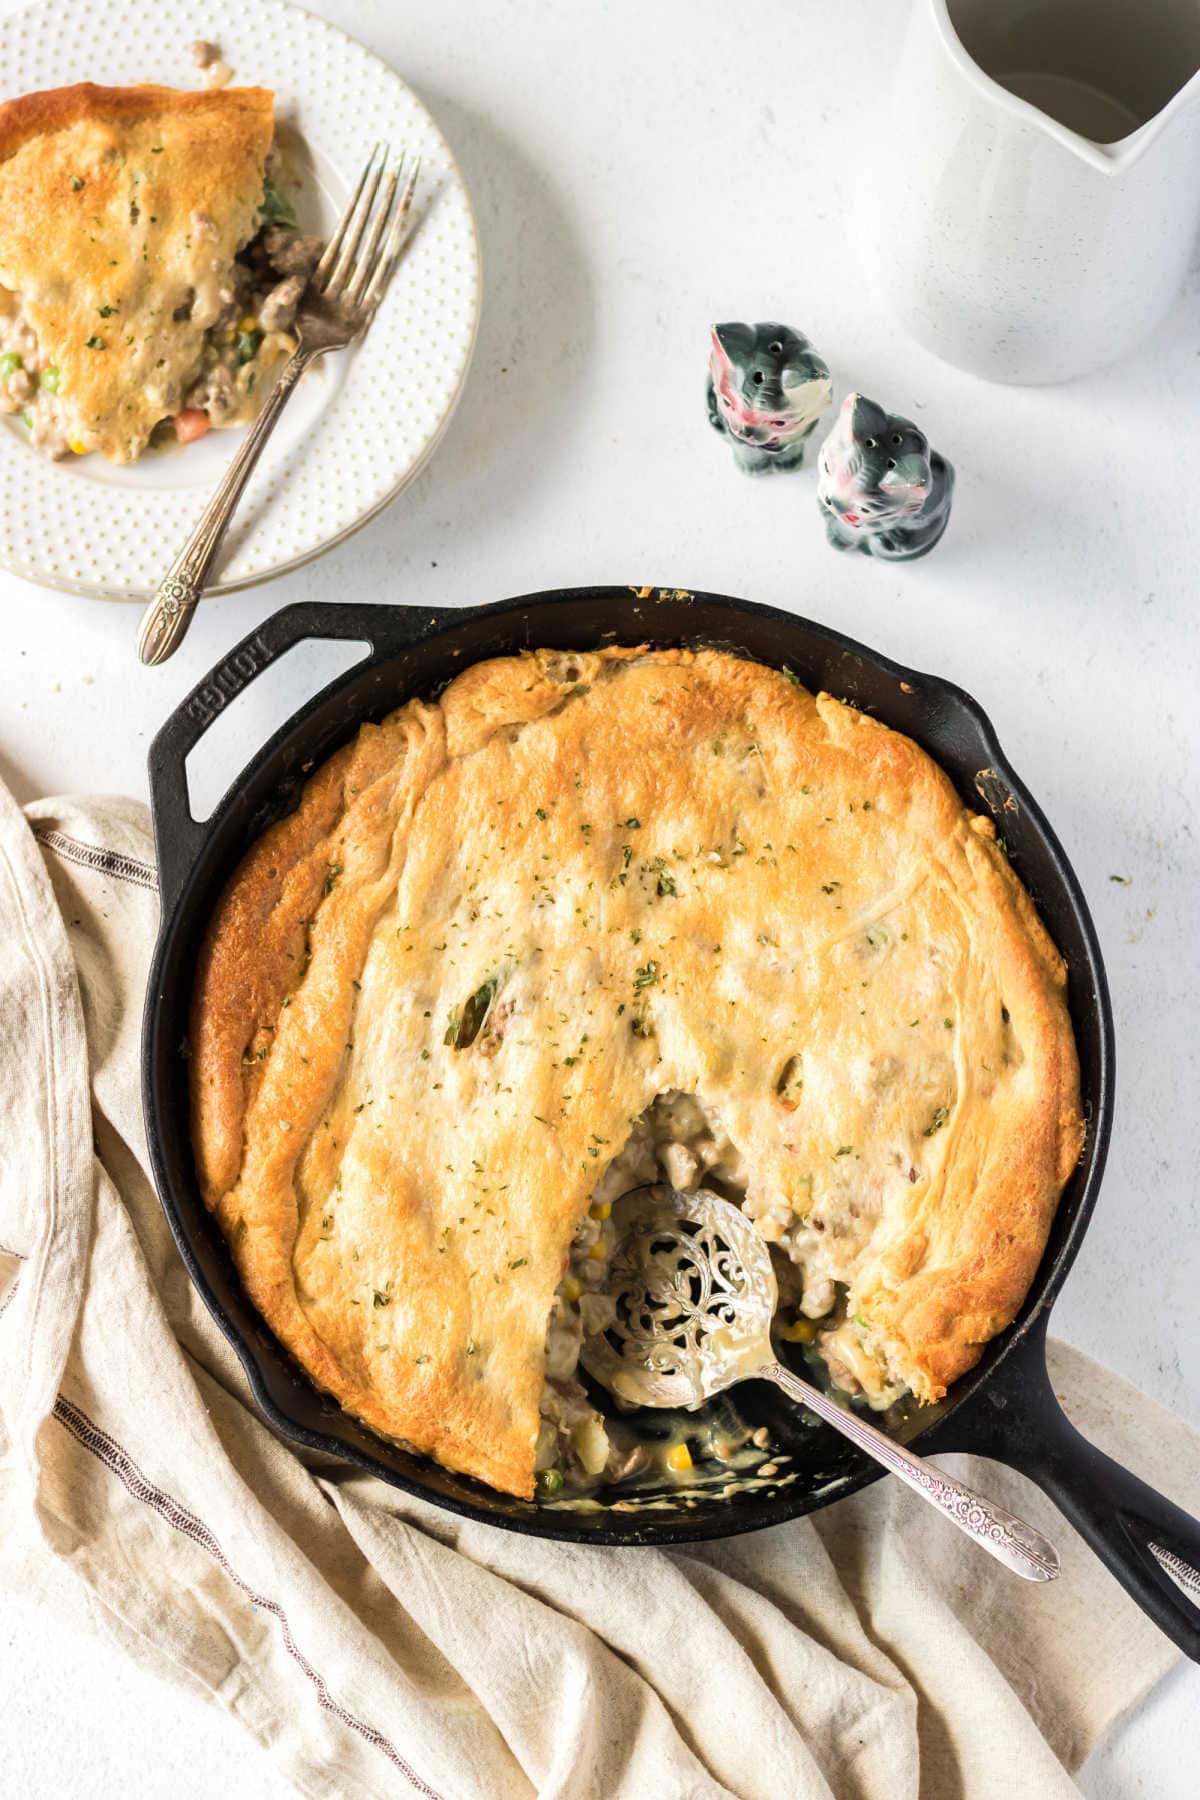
50, 380
549, 1482
245, 345
10, 362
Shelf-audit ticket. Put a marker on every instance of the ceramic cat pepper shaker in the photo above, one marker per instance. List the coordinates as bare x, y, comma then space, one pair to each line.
880, 487
767, 389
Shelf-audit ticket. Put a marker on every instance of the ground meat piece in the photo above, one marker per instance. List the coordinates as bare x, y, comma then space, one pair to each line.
840, 1372
204, 54
279, 308
215, 392
49, 432
16, 335
289, 252
622, 1464
819, 1297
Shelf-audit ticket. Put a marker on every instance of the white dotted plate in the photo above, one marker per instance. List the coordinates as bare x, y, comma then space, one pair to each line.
363, 421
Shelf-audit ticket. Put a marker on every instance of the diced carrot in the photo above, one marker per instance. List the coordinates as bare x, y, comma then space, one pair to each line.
191, 423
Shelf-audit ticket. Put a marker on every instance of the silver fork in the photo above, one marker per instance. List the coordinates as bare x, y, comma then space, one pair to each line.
339, 303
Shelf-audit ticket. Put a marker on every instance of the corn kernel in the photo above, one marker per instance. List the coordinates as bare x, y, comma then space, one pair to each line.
679, 1458
78, 447
572, 1287
800, 1331
248, 322
601, 1210
599, 1251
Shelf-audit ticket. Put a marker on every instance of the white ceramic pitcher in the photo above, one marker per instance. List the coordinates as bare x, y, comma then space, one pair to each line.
1031, 206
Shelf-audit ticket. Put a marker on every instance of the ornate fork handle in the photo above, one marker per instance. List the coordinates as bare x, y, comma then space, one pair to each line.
170, 612
1009, 1539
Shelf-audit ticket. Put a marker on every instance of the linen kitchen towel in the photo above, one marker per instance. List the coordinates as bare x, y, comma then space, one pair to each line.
373, 1645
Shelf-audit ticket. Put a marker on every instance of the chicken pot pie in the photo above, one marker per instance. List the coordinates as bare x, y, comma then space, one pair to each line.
586, 919
149, 263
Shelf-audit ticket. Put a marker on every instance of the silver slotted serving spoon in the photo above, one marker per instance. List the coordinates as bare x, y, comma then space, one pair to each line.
339, 303
695, 1295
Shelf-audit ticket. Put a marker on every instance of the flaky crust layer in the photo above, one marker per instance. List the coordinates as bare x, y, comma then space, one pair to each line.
121, 210
663, 870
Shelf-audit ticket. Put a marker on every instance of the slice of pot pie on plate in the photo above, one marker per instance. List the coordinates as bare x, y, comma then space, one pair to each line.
591, 920
149, 265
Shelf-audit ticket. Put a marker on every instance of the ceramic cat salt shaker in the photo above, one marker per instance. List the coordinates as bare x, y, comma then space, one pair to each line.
767, 389
881, 489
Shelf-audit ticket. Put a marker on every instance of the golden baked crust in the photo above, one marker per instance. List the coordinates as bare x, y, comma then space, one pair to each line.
119, 209
680, 871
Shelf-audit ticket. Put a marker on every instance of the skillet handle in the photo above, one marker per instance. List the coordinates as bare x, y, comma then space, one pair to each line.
1151, 1545
177, 835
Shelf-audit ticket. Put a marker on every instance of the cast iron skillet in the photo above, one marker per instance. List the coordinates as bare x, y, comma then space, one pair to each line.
1003, 1408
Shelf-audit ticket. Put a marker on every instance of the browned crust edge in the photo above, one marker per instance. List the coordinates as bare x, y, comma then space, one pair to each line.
53, 109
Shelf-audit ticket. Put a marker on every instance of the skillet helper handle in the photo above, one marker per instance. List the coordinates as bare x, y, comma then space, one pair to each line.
177, 835
1009, 1539
1151, 1545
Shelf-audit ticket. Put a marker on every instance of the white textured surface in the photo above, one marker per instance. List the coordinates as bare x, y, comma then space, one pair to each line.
360, 425
640, 172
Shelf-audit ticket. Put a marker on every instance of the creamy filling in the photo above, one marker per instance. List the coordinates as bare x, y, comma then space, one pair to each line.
26, 387
679, 1141
252, 331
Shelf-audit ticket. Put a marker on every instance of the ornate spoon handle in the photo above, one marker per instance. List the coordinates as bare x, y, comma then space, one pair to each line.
166, 619
1009, 1539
